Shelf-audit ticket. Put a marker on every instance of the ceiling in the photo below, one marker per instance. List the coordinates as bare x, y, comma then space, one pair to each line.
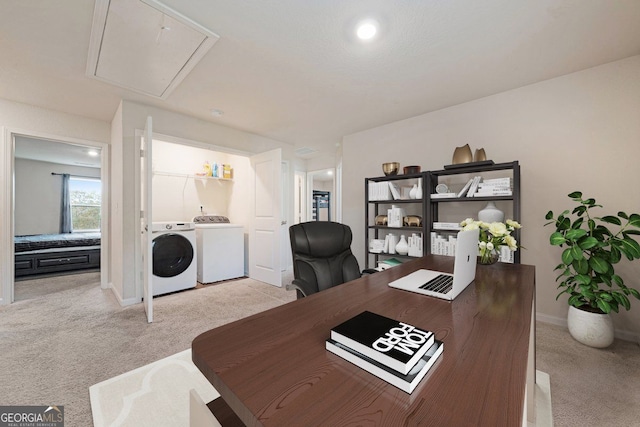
293, 70
56, 152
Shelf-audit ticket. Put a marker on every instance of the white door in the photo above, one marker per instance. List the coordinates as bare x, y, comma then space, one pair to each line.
145, 218
264, 240
285, 212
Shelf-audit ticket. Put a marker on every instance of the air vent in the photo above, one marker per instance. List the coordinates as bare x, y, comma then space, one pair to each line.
144, 46
305, 151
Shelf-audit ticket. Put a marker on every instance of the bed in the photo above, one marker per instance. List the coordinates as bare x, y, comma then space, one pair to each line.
54, 253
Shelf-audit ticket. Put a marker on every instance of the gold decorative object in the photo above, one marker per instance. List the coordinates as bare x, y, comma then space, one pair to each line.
390, 168
381, 220
479, 155
412, 221
462, 155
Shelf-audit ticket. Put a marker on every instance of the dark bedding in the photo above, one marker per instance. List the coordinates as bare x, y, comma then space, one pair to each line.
53, 241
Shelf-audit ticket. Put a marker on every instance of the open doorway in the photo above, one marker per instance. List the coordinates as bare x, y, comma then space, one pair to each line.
58, 215
321, 195
187, 181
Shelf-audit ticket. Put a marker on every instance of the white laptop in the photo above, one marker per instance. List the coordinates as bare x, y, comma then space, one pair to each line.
444, 285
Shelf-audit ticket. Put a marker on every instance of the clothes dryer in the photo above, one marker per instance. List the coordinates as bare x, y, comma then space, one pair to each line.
220, 248
173, 256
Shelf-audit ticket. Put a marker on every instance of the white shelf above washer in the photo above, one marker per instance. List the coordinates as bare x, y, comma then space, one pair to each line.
190, 176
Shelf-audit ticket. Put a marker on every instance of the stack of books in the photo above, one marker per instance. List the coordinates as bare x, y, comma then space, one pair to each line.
396, 352
506, 254
443, 195
415, 245
388, 263
494, 187
443, 244
455, 226
379, 191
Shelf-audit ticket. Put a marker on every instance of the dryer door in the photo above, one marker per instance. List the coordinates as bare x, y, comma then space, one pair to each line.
172, 255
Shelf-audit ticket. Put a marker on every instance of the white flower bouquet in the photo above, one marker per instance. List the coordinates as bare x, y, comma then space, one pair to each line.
492, 237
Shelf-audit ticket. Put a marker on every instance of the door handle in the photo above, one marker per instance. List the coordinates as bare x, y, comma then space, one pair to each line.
283, 222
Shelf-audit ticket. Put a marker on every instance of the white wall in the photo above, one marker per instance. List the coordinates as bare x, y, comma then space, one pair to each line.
38, 195
576, 132
132, 117
178, 193
31, 120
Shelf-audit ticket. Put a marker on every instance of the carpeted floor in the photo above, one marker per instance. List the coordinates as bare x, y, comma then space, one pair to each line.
589, 387
55, 347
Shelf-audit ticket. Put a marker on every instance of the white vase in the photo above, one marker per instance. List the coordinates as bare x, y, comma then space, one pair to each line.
419, 189
402, 247
491, 214
413, 192
592, 329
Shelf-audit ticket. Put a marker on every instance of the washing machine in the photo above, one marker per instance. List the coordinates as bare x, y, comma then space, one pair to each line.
220, 248
174, 256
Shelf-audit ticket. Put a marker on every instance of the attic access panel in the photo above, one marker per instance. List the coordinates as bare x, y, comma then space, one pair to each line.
144, 46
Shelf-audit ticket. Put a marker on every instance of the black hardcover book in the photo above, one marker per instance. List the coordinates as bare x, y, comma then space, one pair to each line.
405, 382
395, 344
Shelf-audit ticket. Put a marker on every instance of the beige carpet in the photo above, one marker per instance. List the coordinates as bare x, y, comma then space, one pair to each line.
590, 387
53, 348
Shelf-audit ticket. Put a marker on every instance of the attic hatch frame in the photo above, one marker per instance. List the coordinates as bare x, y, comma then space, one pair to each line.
98, 27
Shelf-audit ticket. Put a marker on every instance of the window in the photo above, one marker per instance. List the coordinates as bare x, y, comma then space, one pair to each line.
85, 195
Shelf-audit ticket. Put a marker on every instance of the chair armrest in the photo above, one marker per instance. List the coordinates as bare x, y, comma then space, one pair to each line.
300, 285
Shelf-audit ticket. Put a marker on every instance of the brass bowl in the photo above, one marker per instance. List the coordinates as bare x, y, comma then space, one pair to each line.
390, 168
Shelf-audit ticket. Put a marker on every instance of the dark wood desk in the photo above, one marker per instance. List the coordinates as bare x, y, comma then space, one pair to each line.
272, 368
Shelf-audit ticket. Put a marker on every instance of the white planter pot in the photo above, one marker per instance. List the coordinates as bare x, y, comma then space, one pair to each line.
592, 329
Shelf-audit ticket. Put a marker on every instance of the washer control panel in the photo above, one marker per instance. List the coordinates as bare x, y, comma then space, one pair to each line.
211, 219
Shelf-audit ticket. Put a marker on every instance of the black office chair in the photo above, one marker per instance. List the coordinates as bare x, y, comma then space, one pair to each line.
322, 256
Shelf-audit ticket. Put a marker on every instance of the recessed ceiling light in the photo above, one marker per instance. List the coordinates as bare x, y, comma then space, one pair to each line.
367, 30
217, 113
92, 153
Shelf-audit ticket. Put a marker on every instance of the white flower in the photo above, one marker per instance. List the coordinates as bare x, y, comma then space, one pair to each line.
466, 222
511, 242
493, 235
471, 226
498, 229
513, 224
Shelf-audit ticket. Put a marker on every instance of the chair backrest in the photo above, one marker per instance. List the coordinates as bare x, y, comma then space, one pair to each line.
322, 254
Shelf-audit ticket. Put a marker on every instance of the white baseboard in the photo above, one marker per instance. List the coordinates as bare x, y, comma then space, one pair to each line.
560, 321
123, 302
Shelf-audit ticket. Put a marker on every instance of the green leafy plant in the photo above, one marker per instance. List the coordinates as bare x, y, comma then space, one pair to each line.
592, 249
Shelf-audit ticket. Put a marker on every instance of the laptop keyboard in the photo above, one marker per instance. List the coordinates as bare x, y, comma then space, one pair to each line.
441, 284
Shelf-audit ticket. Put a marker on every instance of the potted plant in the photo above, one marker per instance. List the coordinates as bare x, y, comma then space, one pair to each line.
587, 275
